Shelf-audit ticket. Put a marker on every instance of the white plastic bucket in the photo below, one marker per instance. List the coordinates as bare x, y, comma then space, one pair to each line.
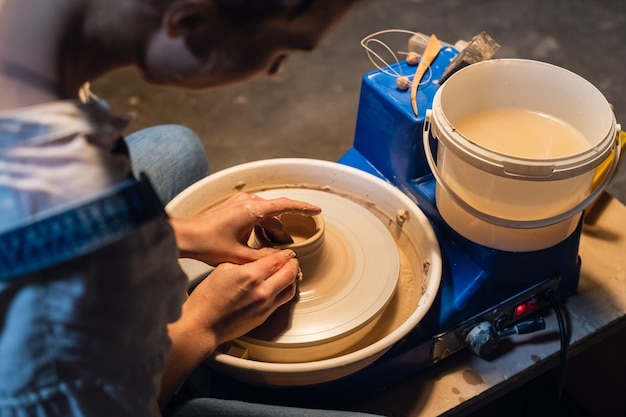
506, 201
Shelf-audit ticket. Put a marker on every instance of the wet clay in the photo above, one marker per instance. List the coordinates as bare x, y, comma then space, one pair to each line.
306, 237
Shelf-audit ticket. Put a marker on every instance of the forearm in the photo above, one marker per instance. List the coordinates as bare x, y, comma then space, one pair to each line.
183, 230
190, 347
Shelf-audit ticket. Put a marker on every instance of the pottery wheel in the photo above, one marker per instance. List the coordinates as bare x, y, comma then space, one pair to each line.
341, 294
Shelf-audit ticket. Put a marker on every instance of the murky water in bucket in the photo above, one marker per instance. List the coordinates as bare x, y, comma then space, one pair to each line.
522, 133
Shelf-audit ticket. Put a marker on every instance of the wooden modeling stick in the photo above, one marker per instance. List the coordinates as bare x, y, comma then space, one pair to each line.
430, 53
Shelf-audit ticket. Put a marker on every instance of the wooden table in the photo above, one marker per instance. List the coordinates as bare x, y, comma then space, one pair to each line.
463, 383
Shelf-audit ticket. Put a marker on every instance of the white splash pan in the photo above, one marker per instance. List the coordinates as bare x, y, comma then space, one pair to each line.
406, 223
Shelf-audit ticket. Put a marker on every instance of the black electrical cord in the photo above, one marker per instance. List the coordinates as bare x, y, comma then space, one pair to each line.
564, 344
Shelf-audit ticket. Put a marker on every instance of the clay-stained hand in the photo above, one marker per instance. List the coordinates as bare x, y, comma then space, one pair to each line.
221, 233
230, 302
235, 299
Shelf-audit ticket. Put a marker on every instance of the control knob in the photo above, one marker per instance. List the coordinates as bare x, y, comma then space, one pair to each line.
482, 339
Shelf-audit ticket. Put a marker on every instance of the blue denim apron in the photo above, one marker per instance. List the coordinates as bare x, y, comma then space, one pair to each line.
86, 291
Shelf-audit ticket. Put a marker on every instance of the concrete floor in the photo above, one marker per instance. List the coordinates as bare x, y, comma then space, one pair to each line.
309, 108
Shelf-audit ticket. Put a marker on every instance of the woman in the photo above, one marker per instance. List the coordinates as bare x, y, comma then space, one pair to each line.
89, 278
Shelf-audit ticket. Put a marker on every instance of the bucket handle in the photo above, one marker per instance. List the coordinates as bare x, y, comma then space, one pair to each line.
518, 224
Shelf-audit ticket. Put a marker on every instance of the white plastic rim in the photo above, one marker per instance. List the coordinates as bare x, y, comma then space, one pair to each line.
372, 192
532, 85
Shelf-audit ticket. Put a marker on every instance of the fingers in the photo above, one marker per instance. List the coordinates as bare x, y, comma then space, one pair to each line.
234, 299
274, 270
286, 295
221, 234
278, 206
281, 269
272, 279
261, 208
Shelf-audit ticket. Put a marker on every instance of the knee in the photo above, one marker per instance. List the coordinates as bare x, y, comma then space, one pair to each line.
173, 139
173, 135
191, 147
178, 133
185, 139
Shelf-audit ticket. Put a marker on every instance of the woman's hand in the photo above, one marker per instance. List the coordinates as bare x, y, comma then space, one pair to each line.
242, 291
221, 233
235, 299
230, 302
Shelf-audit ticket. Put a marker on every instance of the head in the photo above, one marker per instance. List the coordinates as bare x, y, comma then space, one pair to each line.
204, 43
186, 43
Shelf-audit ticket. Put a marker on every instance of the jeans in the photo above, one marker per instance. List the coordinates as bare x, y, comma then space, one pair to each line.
171, 156
213, 407
86, 290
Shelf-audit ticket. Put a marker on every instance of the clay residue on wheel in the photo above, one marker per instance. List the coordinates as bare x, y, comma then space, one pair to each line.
412, 280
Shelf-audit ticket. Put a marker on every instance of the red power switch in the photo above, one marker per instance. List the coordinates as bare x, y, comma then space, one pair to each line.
526, 307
